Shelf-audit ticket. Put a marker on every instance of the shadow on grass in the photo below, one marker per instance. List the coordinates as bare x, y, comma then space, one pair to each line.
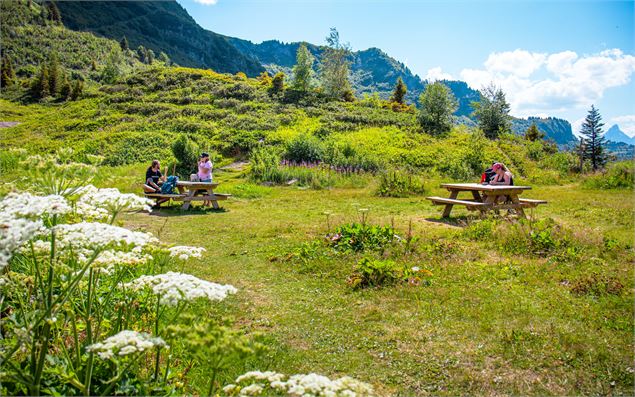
455, 221
176, 210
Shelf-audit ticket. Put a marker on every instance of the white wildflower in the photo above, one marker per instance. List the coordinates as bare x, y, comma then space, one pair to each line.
252, 390
184, 252
125, 343
14, 232
270, 376
26, 205
100, 203
99, 235
415, 268
175, 287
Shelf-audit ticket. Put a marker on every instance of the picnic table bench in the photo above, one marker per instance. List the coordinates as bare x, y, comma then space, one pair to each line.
486, 198
188, 192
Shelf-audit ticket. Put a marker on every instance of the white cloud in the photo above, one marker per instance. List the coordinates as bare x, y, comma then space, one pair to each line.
437, 73
576, 126
626, 123
550, 83
206, 2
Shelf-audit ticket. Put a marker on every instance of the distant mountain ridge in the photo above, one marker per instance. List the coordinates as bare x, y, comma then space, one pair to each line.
615, 134
166, 26
161, 26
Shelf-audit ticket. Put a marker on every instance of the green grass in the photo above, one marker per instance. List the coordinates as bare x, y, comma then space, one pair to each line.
491, 322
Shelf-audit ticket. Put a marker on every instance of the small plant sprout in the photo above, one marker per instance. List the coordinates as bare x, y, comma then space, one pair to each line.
363, 214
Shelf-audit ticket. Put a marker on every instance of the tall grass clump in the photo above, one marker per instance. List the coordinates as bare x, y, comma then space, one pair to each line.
620, 175
399, 183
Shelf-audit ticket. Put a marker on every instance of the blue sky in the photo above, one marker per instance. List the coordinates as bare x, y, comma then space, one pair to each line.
551, 58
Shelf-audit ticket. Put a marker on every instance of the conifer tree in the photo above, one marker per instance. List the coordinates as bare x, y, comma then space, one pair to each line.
492, 112
594, 141
54, 75
149, 56
533, 133
303, 69
54, 12
78, 89
438, 104
65, 87
93, 65
7, 74
334, 70
277, 84
124, 44
40, 85
399, 94
141, 54
163, 57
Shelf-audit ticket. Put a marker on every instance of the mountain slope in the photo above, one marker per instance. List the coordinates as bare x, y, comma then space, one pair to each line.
616, 135
162, 26
558, 130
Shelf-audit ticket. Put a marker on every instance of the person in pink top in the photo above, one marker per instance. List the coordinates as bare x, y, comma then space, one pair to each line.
205, 171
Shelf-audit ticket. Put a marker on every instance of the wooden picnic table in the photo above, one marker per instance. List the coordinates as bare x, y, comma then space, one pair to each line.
192, 191
485, 198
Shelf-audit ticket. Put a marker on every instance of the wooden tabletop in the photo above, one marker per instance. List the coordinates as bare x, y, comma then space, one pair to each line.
196, 185
482, 188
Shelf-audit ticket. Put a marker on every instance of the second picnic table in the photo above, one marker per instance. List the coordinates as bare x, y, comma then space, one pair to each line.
485, 198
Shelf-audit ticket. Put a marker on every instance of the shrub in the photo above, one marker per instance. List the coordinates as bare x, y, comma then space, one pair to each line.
358, 237
542, 237
186, 153
619, 175
399, 183
305, 148
379, 273
265, 165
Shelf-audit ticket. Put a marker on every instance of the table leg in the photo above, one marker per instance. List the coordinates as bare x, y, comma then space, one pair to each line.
214, 202
515, 200
448, 207
477, 196
186, 204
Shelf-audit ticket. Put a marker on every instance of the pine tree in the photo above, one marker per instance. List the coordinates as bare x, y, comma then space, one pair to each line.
163, 57
78, 89
7, 74
492, 112
65, 87
399, 94
93, 65
40, 85
54, 12
54, 75
334, 69
141, 54
438, 104
303, 69
149, 56
533, 133
124, 44
277, 84
594, 141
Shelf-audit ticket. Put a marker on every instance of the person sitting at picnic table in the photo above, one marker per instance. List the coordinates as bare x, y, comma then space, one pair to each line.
502, 175
154, 176
205, 171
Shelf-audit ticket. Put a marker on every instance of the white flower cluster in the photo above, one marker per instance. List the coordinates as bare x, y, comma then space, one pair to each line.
184, 252
125, 343
173, 288
99, 235
20, 221
308, 385
97, 203
26, 205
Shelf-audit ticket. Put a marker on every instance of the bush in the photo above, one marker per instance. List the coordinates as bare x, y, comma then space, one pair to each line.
265, 165
358, 237
619, 175
398, 183
186, 153
305, 148
542, 237
380, 273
